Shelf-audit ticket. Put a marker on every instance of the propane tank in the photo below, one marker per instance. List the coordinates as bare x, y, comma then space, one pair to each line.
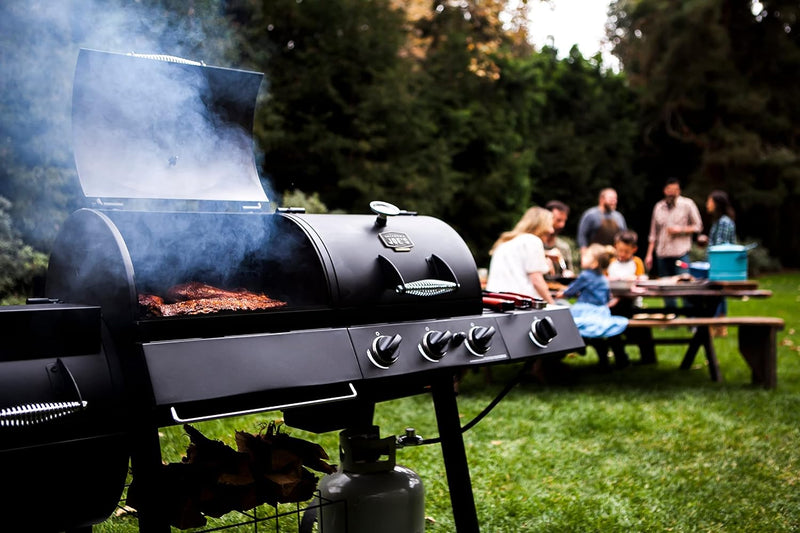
374, 493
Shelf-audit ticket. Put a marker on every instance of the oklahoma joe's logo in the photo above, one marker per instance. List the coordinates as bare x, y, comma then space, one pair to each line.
399, 242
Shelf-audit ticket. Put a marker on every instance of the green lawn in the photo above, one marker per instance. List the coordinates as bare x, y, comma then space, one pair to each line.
643, 449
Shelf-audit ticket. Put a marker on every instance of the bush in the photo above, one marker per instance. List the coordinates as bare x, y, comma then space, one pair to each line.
20, 265
759, 261
310, 202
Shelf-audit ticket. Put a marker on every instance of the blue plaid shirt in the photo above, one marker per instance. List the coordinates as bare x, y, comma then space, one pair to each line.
722, 231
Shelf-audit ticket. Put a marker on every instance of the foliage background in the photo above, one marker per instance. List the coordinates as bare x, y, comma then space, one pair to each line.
441, 107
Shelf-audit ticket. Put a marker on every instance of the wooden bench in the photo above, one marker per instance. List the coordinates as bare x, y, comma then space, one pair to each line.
757, 342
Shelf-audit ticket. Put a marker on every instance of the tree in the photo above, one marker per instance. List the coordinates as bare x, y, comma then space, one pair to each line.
588, 134
20, 265
716, 85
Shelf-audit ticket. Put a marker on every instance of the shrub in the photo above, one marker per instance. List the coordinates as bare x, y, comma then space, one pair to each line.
20, 265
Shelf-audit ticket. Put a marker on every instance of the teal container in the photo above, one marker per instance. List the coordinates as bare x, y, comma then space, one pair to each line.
728, 262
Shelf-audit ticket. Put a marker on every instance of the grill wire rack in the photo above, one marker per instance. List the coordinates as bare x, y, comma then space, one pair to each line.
284, 518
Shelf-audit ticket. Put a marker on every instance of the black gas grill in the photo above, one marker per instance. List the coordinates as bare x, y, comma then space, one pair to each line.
371, 307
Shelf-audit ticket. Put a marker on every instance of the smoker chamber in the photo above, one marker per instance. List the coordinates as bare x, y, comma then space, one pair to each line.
362, 308
63, 447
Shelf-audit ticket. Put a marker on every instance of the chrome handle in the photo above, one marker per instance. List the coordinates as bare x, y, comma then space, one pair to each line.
426, 287
180, 420
32, 414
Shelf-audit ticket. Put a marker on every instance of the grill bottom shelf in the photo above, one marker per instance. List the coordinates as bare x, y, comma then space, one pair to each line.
284, 518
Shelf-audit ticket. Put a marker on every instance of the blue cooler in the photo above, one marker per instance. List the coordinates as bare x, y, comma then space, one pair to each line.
728, 262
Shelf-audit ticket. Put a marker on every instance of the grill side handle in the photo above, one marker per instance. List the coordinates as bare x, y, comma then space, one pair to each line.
32, 414
305, 403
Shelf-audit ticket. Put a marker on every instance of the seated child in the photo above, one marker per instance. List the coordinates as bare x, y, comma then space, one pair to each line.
626, 266
591, 313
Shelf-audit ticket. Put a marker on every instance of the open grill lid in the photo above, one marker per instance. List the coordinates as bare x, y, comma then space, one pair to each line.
160, 128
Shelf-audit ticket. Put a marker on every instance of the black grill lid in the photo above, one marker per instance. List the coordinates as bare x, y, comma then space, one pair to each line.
162, 128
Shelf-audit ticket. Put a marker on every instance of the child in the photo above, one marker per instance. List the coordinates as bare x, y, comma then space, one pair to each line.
626, 266
591, 312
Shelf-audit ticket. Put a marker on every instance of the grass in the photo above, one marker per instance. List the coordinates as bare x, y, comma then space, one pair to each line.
644, 449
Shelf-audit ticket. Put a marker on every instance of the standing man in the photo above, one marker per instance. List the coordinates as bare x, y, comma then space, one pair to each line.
555, 248
601, 223
675, 219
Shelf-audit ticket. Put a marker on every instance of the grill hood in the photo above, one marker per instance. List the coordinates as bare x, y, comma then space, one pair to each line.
151, 128
164, 153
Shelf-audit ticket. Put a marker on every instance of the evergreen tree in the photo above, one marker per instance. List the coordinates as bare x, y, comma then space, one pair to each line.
716, 84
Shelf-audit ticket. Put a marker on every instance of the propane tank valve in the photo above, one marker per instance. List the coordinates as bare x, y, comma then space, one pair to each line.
409, 439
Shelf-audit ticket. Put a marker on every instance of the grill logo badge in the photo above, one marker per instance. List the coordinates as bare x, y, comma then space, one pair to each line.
399, 242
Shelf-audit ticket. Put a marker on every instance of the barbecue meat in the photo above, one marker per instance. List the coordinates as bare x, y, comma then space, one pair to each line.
196, 298
194, 290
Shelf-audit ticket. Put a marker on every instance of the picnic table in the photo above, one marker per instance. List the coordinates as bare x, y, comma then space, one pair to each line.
757, 334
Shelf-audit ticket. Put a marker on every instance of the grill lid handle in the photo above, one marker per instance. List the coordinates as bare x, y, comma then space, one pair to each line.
422, 287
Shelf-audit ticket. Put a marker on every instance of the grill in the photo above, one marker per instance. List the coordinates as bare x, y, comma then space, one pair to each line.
362, 308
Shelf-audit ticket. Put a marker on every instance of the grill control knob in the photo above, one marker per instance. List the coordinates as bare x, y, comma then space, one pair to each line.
542, 331
383, 352
458, 338
434, 345
479, 339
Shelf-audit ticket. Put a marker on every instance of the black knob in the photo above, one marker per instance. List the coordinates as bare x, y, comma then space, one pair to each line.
383, 352
434, 344
458, 338
479, 339
542, 331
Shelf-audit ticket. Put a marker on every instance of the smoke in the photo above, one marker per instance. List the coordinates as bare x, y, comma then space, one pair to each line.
145, 128
39, 47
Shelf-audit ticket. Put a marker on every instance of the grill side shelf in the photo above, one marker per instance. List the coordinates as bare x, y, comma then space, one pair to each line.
196, 370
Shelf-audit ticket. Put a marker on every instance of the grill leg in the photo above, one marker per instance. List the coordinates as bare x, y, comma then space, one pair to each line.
455, 456
145, 462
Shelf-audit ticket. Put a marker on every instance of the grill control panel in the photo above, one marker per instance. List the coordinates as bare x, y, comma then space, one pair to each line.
410, 347
395, 349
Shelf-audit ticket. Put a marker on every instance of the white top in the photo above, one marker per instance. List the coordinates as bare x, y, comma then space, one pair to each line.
622, 270
511, 263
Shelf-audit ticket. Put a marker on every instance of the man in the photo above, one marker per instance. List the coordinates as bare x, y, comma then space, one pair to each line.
555, 248
601, 223
675, 219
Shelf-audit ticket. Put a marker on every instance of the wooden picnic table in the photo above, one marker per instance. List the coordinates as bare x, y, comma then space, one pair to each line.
757, 335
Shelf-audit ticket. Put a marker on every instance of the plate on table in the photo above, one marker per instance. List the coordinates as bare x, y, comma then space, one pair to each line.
672, 283
621, 284
654, 316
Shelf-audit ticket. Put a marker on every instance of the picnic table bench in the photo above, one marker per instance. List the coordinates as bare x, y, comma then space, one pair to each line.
757, 342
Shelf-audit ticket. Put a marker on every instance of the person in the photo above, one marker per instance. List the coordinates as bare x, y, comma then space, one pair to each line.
600, 223
674, 221
626, 265
723, 231
518, 263
723, 228
557, 249
591, 311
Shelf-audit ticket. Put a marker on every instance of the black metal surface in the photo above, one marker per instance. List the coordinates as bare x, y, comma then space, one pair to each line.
375, 307
62, 440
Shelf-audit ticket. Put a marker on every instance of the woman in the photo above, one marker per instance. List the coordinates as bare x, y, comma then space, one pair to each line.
518, 261
723, 228
723, 231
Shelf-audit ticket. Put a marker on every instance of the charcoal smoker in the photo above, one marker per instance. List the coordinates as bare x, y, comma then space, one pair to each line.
362, 308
